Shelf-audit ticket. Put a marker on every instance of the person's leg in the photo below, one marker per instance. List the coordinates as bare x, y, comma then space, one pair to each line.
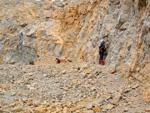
101, 56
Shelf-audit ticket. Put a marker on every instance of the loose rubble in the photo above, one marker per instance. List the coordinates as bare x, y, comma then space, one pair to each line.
62, 88
39, 31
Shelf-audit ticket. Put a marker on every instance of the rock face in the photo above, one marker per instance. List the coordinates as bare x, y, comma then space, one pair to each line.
43, 30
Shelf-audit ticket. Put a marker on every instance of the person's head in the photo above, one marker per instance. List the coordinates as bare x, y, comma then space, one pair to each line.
101, 40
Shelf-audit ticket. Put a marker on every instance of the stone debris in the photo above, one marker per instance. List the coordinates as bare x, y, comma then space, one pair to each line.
96, 109
147, 109
40, 110
17, 109
117, 96
89, 106
135, 86
113, 71
35, 33
126, 109
41, 89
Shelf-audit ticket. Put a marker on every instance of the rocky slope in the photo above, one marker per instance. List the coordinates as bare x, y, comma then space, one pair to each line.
71, 30
73, 88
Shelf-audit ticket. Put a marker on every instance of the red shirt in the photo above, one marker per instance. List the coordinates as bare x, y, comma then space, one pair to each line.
58, 60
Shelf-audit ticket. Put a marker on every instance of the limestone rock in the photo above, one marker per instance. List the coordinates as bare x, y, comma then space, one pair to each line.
87, 72
135, 86
108, 107
117, 96
65, 110
39, 110
89, 106
113, 71
127, 90
147, 109
89, 111
95, 109
114, 102
17, 109
126, 109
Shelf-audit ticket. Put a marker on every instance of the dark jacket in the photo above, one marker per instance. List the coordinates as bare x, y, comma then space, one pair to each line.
102, 48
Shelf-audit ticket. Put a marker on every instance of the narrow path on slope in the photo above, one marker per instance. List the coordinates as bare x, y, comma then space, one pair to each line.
78, 88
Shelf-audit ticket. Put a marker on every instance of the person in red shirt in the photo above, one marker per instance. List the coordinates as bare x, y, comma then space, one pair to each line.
58, 60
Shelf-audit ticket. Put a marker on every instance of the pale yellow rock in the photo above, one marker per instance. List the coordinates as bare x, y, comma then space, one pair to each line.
7, 88
30, 103
78, 111
112, 71
29, 110
53, 112
30, 99
69, 105
65, 110
110, 106
46, 104
70, 20
17, 109
89, 106
87, 72
95, 109
107, 96
56, 103
40, 110
35, 104
117, 97
64, 71
73, 109
58, 108
12, 105
63, 59
84, 67
135, 86
107, 107
49, 108
89, 111
94, 82
147, 109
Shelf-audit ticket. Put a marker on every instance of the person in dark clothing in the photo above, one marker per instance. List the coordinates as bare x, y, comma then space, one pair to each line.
58, 60
102, 50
